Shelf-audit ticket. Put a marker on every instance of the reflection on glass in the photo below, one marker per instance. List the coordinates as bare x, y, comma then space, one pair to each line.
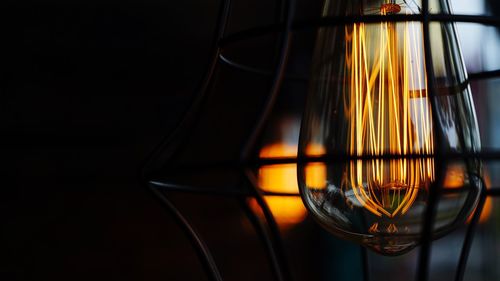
488, 203
368, 98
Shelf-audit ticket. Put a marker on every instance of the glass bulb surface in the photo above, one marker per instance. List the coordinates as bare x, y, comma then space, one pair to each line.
368, 98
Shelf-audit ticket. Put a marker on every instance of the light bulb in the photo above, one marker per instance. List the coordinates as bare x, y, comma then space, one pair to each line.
369, 97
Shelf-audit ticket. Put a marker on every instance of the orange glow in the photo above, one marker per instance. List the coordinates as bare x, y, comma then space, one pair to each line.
388, 112
315, 172
316, 175
488, 204
486, 213
455, 178
279, 178
287, 210
282, 178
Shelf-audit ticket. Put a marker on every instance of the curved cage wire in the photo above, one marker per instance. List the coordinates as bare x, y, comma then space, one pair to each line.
267, 229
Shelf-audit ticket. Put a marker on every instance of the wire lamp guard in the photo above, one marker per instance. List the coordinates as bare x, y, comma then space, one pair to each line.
285, 25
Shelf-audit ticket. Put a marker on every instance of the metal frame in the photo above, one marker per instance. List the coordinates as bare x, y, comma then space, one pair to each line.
268, 230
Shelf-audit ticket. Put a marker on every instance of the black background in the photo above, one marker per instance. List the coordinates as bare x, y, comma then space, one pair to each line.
88, 89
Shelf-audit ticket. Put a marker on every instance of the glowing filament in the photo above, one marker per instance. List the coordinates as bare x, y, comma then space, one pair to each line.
388, 111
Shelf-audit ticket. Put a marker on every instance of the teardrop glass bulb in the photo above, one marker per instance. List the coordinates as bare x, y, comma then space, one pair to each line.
369, 98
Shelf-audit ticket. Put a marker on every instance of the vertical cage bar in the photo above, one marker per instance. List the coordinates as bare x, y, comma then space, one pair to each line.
469, 236
434, 189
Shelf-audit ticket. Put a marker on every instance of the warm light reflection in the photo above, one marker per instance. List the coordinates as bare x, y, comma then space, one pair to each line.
488, 204
486, 213
455, 178
282, 178
315, 172
388, 111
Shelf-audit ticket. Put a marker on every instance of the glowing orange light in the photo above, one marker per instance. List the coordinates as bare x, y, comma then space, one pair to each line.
488, 204
455, 178
486, 213
315, 172
390, 8
389, 112
282, 178
369, 104
287, 210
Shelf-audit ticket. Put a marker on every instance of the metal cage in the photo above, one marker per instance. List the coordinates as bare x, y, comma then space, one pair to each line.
268, 230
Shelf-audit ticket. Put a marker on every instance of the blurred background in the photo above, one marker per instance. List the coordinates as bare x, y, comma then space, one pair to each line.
89, 89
